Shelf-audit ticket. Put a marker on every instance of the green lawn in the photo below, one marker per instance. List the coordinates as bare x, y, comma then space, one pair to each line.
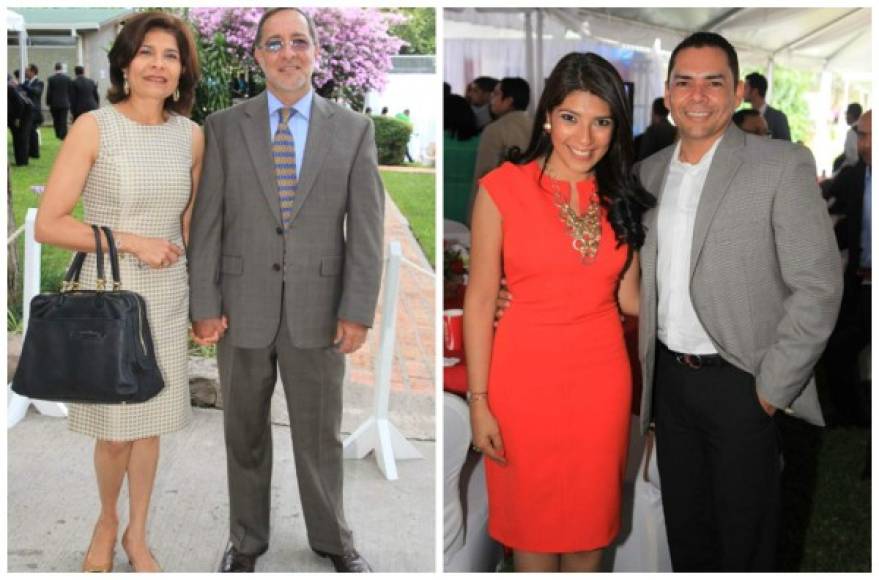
415, 195
54, 260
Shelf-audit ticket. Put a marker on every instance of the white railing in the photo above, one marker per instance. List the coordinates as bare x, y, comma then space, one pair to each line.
16, 404
377, 433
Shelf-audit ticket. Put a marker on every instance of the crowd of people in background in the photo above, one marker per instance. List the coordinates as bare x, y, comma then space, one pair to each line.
481, 130
64, 97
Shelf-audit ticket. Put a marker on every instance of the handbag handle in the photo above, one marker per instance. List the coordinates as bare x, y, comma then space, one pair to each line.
71, 278
114, 257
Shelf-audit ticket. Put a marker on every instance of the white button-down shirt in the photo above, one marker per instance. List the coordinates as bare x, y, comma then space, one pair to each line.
677, 324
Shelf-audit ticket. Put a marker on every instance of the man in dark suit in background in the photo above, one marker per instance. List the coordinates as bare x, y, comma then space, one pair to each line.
659, 135
18, 119
83, 94
852, 190
755, 93
34, 88
58, 100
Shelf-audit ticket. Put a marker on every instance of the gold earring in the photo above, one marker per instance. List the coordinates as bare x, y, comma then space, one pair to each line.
176, 96
125, 88
547, 127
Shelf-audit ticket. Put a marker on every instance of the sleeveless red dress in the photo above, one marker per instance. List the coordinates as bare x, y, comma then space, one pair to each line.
559, 381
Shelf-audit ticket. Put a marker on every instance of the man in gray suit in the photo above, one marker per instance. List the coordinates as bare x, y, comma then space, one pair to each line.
285, 262
740, 287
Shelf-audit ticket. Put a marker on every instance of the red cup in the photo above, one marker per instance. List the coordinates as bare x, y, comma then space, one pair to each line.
453, 331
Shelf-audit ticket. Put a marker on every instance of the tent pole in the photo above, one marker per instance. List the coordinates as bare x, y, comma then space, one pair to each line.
537, 87
529, 57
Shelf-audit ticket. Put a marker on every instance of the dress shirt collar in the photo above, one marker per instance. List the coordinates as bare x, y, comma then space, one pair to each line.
701, 165
302, 106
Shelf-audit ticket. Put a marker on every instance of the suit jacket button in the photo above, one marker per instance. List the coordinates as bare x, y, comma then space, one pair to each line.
280, 230
276, 267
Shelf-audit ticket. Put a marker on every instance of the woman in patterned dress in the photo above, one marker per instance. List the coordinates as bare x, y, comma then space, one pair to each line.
550, 389
136, 164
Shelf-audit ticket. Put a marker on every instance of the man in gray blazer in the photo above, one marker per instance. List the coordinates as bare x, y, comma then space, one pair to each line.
741, 284
285, 262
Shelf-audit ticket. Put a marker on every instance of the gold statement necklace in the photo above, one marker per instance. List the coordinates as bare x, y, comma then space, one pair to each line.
585, 230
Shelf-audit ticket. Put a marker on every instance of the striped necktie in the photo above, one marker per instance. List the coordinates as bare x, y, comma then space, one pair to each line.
284, 156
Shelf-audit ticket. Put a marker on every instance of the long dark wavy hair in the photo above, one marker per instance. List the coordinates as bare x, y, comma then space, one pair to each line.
618, 191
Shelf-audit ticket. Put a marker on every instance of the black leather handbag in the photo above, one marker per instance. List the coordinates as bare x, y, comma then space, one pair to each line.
89, 346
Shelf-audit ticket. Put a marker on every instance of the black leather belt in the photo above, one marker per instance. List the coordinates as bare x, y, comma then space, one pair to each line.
694, 361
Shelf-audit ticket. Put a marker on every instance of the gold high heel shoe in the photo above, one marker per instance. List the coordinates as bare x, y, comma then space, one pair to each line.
90, 566
131, 563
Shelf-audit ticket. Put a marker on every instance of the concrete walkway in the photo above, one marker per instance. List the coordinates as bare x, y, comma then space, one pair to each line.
52, 496
53, 503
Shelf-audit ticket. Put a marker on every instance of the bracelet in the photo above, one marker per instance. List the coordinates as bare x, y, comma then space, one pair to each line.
471, 397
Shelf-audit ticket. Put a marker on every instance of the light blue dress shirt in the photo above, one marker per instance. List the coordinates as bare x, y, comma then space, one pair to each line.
867, 221
298, 123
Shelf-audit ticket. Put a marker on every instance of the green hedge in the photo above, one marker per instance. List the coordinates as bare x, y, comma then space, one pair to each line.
391, 138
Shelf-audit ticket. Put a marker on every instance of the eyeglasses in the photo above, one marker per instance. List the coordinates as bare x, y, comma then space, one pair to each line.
275, 45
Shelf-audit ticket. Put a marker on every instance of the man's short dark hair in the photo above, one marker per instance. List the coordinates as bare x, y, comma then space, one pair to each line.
757, 82
312, 32
485, 84
78, 70
659, 108
516, 88
854, 110
739, 116
58, 66
703, 39
36, 70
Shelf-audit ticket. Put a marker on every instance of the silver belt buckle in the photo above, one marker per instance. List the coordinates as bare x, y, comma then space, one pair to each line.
694, 361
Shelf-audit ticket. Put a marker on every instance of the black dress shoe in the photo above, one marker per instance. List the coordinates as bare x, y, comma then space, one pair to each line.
235, 561
350, 562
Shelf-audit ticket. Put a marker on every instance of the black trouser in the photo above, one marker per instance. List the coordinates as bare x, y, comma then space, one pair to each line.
21, 136
34, 146
59, 120
851, 334
719, 464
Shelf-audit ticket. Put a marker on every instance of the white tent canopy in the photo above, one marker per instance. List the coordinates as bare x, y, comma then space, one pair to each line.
527, 42
837, 39
15, 23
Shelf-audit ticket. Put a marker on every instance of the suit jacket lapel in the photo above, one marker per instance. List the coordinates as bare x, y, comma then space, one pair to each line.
321, 127
724, 165
255, 128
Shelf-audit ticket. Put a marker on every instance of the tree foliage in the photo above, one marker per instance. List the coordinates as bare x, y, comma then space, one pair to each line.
212, 93
356, 44
419, 30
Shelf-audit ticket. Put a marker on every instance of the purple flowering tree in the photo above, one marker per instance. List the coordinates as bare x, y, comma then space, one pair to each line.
355, 44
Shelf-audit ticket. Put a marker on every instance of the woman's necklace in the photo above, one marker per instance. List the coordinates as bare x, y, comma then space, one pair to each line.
585, 230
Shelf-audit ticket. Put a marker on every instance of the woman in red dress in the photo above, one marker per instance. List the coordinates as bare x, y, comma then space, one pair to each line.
550, 387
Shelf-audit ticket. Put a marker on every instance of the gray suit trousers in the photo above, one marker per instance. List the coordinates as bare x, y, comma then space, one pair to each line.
312, 379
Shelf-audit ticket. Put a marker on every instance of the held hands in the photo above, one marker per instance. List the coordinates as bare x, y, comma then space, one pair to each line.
350, 336
155, 252
209, 331
486, 433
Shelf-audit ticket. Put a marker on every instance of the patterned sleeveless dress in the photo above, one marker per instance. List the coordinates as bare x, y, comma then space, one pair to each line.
141, 183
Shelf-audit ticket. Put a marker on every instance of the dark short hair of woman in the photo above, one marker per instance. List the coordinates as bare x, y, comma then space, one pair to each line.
617, 187
129, 41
